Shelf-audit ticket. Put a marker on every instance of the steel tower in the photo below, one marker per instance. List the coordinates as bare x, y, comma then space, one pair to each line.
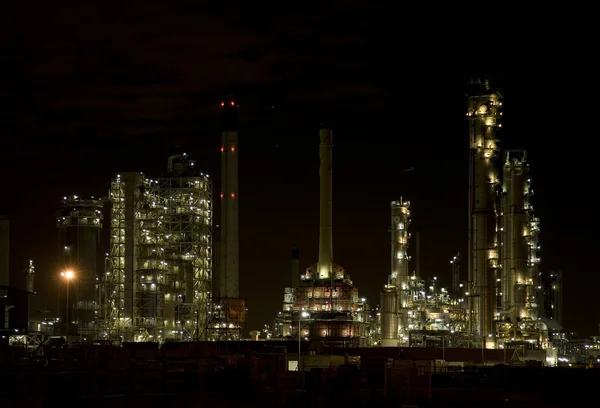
483, 112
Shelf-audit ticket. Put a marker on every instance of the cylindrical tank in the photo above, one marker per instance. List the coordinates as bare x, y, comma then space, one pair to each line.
389, 318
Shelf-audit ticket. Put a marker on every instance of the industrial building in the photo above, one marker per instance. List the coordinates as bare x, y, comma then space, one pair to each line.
158, 279
324, 305
499, 303
79, 222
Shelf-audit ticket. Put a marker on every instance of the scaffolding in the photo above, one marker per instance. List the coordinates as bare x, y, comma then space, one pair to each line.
226, 319
158, 277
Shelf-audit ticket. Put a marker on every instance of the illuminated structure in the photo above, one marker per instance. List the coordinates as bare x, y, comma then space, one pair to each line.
484, 112
79, 222
325, 305
502, 292
158, 280
395, 296
414, 312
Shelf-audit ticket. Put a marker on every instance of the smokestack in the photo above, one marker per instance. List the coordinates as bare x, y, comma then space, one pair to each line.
326, 233
295, 267
4, 252
229, 243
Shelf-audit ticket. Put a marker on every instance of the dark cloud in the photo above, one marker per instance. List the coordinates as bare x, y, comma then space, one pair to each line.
148, 63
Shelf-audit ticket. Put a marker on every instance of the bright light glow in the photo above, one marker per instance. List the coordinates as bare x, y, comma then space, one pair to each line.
67, 275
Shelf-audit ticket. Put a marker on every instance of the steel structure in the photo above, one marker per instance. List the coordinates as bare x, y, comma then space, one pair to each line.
410, 304
79, 222
158, 280
484, 113
226, 319
516, 280
499, 305
399, 278
519, 309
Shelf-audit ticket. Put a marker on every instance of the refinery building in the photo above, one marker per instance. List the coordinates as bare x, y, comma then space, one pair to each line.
171, 273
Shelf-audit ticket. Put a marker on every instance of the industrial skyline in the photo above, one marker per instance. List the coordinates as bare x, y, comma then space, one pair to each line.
75, 133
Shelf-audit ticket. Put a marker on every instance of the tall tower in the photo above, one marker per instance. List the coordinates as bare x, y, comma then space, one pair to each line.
325, 266
79, 222
229, 243
400, 221
515, 246
483, 112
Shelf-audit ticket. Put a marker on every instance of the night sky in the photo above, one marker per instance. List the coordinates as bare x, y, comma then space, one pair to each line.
87, 91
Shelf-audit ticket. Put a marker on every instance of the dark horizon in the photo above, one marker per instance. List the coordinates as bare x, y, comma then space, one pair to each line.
110, 95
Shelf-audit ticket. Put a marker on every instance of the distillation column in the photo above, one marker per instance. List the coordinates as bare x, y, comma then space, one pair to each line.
514, 234
400, 222
325, 228
229, 243
484, 113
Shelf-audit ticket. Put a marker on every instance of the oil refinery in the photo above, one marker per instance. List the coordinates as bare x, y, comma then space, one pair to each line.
172, 272
502, 302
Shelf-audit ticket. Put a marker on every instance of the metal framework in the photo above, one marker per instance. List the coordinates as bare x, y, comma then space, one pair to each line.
226, 319
158, 277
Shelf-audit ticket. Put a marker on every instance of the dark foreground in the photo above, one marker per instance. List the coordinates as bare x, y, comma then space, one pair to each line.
111, 377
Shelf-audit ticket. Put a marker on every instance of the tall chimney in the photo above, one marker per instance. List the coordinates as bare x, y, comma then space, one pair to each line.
229, 243
295, 267
325, 236
4, 252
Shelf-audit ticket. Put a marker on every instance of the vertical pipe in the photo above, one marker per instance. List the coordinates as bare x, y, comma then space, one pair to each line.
325, 229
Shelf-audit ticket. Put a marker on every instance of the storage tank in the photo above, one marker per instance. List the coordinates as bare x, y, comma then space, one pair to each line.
389, 317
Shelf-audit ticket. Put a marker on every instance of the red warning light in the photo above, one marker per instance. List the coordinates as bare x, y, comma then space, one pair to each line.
222, 150
232, 149
222, 104
232, 103
232, 195
221, 195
